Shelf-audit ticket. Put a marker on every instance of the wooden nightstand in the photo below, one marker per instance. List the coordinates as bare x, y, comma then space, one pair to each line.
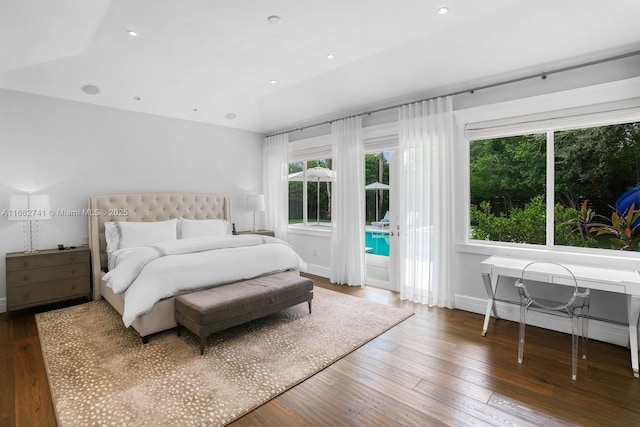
47, 276
262, 232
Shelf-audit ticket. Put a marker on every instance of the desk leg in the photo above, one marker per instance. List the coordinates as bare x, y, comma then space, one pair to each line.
633, 303
491, 303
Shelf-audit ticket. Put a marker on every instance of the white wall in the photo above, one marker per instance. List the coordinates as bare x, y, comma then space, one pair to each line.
314, 247
71, 150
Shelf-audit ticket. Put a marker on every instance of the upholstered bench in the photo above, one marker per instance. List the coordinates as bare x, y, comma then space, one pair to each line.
214, 309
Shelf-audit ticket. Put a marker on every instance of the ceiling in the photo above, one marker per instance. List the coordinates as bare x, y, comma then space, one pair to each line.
214, 61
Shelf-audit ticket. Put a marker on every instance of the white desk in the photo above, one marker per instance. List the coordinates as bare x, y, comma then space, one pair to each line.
592, 277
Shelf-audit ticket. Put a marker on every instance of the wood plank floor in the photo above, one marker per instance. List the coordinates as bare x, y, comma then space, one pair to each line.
433, 369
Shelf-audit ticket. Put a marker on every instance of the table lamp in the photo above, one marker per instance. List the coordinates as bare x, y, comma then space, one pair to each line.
255, 203
29, 208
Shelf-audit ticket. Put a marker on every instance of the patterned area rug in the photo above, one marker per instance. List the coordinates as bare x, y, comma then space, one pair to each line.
102, 374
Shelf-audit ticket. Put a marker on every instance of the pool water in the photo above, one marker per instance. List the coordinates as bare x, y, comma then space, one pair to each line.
377, 240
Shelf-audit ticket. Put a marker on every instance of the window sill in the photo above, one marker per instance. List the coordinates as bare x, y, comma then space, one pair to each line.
558, 253
310, 230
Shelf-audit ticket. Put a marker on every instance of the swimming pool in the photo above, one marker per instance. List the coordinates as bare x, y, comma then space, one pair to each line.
378, 241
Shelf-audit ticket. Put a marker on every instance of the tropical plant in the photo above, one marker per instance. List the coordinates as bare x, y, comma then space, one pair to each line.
623, 229
579, 224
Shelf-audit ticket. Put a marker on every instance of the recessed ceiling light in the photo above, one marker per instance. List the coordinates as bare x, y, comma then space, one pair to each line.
443, 10
274, 19
273, 82
330, 56
132, 33
230, 116
91, 89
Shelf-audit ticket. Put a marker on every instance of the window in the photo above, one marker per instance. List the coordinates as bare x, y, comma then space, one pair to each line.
588, 168
594, 167
376, 196
508, 189
310, 185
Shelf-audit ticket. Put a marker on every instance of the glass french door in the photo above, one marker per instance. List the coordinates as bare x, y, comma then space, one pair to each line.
381, 233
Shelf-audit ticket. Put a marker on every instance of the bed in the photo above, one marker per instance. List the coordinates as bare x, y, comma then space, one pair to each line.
150, 208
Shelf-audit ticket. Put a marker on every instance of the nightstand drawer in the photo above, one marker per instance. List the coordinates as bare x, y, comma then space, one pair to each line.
25, 296
47, 274
50, 259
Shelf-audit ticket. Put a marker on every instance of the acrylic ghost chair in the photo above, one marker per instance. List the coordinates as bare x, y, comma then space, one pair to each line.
568, 300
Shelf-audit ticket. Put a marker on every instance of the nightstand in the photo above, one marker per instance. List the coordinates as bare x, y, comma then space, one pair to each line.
47, 276
262, 232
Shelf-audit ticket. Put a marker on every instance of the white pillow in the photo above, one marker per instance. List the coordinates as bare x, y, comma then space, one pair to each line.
190, 228
124, 234
112, 235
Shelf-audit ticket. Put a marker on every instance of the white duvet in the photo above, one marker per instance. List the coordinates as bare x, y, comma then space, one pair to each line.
150, 273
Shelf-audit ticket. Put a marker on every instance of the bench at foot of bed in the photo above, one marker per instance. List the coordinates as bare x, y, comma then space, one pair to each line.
212, 310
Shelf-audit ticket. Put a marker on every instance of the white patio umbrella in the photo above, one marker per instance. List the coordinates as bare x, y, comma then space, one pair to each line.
317, 174
376, 186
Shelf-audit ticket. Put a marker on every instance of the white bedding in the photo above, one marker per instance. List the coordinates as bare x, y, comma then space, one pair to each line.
150, 273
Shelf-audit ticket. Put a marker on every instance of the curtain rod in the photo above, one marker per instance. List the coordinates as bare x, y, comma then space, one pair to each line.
542, 76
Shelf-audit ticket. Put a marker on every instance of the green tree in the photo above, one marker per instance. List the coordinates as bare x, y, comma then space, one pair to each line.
511, 168
596, 163
376, 169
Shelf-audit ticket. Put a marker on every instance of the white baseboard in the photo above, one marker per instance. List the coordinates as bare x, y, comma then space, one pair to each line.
598, 330
326, 273
380, 284
3, 305
318, 270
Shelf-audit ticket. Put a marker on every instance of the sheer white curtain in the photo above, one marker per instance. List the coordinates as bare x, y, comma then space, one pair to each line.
425, 220
275, 172
347, 203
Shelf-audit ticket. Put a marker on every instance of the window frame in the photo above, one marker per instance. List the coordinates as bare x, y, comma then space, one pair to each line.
594, 115
305, 195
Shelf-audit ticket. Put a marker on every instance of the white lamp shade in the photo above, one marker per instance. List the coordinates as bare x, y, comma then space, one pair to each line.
18, 203
255, 202
24, 207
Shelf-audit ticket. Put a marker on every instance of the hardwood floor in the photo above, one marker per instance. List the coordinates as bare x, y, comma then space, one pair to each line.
433, 369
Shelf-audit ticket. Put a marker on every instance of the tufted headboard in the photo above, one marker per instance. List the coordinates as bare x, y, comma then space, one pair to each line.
145, 207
